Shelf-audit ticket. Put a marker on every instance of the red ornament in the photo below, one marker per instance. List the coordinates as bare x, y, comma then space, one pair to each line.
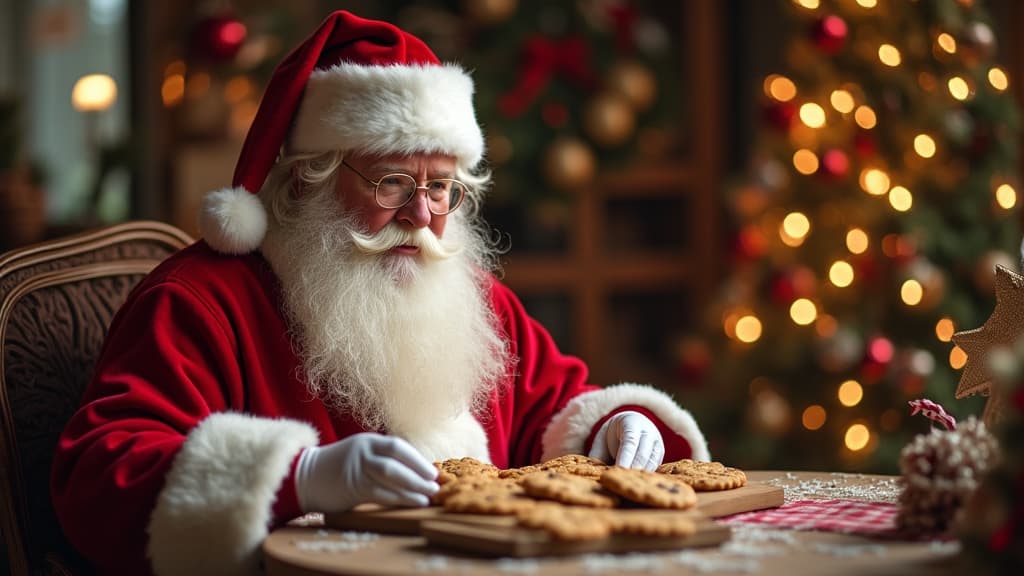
779, 115
829, 34
751, 243
555, 114
791, 284
834, 164
218, 38
864, 144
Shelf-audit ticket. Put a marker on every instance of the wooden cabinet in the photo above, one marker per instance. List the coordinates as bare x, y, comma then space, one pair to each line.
638, 257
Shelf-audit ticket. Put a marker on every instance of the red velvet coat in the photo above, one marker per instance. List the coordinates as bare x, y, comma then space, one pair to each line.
181, 456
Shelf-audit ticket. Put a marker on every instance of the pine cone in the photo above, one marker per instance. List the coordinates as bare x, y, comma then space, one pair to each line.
941, 470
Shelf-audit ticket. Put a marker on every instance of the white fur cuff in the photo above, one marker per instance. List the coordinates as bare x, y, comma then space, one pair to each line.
570, 428
214, 510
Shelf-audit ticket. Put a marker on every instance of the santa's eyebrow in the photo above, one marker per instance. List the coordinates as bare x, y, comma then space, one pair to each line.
384, 170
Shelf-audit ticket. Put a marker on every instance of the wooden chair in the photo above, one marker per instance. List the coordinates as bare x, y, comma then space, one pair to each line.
57, 299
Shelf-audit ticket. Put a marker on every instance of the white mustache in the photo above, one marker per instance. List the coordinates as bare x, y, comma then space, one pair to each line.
392, 236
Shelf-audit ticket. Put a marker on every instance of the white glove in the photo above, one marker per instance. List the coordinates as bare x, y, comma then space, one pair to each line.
363, 468
632, 438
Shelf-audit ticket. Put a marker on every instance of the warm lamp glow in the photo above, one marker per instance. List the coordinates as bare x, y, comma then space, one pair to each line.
94, 93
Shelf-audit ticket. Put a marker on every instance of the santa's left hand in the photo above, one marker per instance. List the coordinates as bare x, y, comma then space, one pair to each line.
632, 438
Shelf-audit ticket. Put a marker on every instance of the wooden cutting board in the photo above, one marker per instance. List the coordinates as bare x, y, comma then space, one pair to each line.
499, 536
370, 518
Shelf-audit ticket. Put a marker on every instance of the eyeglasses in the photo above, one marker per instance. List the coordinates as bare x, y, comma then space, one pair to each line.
392, 191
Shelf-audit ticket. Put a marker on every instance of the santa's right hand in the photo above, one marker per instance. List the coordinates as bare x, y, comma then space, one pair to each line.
363, 468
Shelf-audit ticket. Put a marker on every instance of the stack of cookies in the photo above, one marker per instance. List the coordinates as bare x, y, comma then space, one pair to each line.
575, 497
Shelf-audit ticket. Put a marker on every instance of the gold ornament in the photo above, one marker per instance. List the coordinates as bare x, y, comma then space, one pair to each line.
1002, 329
633, 81
608, 119
569, 163
489, 11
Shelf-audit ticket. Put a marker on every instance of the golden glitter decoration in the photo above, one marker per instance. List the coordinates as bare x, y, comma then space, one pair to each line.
1002, 329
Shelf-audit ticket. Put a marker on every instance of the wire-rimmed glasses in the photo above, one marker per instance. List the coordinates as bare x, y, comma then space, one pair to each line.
395, 190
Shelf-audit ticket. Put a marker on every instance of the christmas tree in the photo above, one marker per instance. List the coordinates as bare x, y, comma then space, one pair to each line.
883, 195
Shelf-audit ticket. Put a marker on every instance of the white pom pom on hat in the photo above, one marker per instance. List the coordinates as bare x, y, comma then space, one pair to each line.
233, 220
353, 85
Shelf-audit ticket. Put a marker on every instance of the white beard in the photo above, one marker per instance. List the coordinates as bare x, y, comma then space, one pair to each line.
402, 343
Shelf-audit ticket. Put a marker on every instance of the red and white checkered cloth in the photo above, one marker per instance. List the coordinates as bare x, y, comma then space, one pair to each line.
848, 516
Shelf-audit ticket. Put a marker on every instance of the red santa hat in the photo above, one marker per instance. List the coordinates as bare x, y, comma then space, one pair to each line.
354, 85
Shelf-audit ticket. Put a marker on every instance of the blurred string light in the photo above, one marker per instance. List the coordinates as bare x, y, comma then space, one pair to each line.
900, 198
944, 329
957, 358
805, 161
959, 88
779, 87
840, 273
813, 417
889, 55
842, 101
997, 78
850, 393
808, 4
865, 117
856, 241
1006, 196
812, 115
946, 42
857, 437
911, 292
924, 145
802, 311
874, 181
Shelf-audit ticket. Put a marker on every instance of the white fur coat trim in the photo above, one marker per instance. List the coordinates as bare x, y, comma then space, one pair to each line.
389, 109
570, 428
215, 508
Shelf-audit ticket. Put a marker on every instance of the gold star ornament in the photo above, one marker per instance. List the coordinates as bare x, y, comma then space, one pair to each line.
1002, 330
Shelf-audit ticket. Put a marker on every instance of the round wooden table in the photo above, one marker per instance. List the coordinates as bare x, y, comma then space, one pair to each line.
752, 548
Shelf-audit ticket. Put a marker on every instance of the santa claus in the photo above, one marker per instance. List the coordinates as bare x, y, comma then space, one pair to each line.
335, 332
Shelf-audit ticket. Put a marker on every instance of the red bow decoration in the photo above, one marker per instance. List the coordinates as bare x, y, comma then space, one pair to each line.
543, 59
